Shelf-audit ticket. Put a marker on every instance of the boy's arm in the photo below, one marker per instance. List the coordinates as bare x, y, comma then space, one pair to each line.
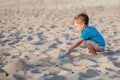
74, 45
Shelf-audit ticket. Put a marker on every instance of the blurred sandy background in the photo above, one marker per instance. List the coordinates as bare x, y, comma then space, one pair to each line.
34, 32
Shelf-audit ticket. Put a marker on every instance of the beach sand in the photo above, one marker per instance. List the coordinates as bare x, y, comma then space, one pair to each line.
34, 32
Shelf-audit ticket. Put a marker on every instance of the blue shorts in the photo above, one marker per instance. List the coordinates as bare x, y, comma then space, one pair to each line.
101, 48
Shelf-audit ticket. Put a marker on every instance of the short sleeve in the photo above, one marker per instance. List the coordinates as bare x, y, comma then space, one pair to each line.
85, 34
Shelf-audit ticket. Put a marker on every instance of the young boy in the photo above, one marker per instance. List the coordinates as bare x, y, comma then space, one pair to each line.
89, 35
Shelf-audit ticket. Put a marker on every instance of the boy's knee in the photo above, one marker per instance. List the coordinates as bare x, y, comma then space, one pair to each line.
86, 42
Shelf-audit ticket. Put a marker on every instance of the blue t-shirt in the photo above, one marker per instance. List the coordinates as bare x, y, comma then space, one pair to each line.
91, 33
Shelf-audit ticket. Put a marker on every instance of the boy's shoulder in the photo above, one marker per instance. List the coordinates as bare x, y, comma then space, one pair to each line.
89, 29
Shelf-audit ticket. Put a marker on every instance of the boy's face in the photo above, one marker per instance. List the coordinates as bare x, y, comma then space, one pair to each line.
79, 26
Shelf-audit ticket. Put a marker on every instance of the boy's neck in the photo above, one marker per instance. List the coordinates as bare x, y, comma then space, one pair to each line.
84, 27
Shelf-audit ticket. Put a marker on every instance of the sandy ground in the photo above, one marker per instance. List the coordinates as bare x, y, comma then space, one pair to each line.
34, 32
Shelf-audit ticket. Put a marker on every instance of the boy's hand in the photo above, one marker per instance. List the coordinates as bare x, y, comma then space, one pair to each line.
68, 52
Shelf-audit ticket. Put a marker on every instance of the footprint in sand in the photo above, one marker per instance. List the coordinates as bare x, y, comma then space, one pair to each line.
16, 65
41, 39
1, 35
116, 64
53, 45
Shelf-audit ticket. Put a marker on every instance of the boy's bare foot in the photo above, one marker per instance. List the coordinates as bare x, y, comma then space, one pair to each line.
90, 53
99, 53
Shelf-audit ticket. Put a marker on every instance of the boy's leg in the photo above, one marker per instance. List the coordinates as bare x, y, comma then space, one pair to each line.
92, 46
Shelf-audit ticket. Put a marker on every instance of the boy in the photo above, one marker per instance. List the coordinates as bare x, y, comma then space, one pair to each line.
90, 36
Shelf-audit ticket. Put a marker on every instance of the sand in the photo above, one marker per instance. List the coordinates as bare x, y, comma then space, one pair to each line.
34, 32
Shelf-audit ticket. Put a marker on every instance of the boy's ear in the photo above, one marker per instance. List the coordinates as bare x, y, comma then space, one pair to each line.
83, 24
